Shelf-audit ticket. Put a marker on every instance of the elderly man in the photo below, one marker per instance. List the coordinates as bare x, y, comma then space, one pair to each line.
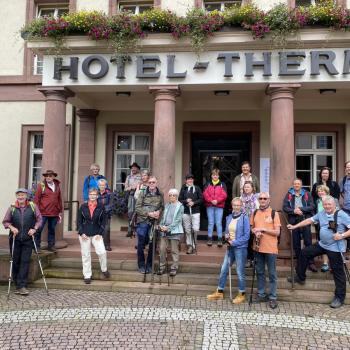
299, 205
239, 180
23, 219
149, 207
266, 228
334, 228
91, 181
344, 185
49, 200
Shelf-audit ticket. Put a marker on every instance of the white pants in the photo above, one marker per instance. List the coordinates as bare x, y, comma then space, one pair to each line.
86, 254
186, 221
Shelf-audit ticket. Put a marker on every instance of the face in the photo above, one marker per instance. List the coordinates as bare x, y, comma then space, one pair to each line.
215, 177
347, 168
152, 183
189, 182
236, 206
264, 201
329, 206
144, 178
21, 197
134, 170
247, 189
321, 193
93, 196
325, 175
245, 169
172, 198
297, 185
49, 178
95, 170
102, 186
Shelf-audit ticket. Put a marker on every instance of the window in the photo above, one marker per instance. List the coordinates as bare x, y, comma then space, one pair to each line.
135, 7
130, 148
220, 5
307, 2
52, 10
38, 65
314, 151
35, 156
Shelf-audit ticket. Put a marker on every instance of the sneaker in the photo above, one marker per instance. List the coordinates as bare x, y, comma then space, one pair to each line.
142, 270
17, 291
210, 242
87, 280
217, 295
336, 303
23, 291
240, 298
160, 272
259, 299
312, 267
189, 250
273, 304
220, 243
106, 274
324, 268
296, 280
173, 272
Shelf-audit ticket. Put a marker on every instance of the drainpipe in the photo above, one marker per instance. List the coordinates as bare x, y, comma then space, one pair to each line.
71, 169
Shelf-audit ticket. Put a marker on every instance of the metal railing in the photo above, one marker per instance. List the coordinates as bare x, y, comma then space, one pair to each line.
68, 205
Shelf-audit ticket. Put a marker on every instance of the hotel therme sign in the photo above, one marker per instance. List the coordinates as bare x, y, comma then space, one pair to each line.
215, 67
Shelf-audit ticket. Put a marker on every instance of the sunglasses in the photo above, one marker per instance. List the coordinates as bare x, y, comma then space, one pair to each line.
172, 195
263, 199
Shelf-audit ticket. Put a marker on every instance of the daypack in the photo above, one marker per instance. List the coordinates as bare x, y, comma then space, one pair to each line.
31, 204
306, 196
273, 213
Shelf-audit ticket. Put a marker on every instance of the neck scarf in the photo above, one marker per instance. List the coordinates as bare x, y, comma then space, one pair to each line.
215, 182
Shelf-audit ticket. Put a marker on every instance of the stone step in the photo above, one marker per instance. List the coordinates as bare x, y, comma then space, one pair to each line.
301, 295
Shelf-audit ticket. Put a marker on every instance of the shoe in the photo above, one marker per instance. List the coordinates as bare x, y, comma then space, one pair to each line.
296, 280
258, 299
249, 264
142, 270
273, 304
324, 268
336, 303
160, 272
87, 280
220, 243
23, 291
210, 242
216, 295
108, 248
52, 249
106, 274
240, 298
17, 291
189, 250
173, 272
312, 267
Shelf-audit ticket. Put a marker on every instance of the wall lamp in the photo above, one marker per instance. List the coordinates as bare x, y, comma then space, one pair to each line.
221, 92
328, 91
123, 93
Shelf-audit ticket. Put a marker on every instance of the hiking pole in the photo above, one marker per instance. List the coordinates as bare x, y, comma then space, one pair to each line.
229, 270
257, 244
41, 267
346, 270
192, 233
154, 239
291, 250
11, 267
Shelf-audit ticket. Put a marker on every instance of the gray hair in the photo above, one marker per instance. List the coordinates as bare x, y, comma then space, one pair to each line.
328, 199
94, 165
237, 199
100, 181
174, 191
267, 194
146, 172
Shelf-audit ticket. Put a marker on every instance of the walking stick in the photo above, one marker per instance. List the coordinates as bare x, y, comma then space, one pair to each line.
229, 269
154, 242
257, 243
192, 233
346, 270
11, 266
41, 267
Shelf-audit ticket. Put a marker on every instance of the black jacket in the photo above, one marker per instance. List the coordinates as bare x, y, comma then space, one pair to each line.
94, 225
196, 197
334, 189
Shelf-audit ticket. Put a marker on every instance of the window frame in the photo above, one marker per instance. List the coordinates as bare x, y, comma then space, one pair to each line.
135, 3
222, 3
33, 151
55, 7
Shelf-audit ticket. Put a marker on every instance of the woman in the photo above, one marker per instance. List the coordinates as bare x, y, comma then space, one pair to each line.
141, 187
250, 204
325, 178
215, 194
91, 225
171, 229
237, 234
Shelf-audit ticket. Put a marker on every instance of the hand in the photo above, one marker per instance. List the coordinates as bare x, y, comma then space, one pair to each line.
188, 200
255, 230
59, 219
84, 237
14, 230
297, 211
290, 227
32, 232
98, 237
258, 234
214, 202
337, 236
191, 204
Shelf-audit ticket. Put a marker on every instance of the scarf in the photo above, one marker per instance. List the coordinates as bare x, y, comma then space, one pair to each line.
189, 188
215, 182
236, 216
249, 203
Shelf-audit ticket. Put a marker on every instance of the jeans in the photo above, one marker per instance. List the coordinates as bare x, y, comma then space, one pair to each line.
270, 260
143, 230
335, 262
51, 226
215, 216
299, 234
240, 256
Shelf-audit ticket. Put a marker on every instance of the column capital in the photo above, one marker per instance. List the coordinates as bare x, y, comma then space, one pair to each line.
277, 91
56, 93
87, 114
164, 92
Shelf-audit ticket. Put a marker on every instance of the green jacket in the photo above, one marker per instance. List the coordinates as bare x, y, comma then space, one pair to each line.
176, 226
146, 203
236, 187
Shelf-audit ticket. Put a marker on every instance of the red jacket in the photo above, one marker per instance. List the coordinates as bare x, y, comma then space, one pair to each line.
49, 203
212, 192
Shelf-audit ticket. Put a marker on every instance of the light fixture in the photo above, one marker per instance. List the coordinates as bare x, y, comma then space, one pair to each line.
221, 92
123, 93
328, 91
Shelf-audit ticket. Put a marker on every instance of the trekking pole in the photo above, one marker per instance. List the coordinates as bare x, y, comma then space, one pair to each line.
167, 266
194, 244
346, 270
153, 248
229, 270
257, 243
11, 267
41, 267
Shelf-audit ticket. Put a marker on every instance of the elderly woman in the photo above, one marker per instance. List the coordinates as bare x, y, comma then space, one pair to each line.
171, 229
237, 235
141, 187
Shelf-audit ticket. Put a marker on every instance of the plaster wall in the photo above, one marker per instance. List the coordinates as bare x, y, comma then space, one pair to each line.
89, 5
268, 4
180, 7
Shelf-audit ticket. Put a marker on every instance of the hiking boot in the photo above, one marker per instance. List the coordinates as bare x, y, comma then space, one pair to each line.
189, 250
259, 299
296, 280
108, 248
273, 304
220, 243
23, 291
240, 298
312, 267
52, 249
217, 295
106, 274
87, 280
210, 242
336, 303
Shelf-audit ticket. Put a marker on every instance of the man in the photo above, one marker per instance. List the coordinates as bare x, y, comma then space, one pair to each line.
239, 180
91, 181
299, 205
23, 219
191, 197
49, 200
334, 228
149, 207
130, 186
266, 228
344, 185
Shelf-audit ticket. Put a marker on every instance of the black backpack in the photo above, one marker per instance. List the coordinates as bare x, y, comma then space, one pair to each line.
273, 213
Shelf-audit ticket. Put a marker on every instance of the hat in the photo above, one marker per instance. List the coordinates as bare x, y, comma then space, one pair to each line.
189, 176
50, 172
22, 190
135, 164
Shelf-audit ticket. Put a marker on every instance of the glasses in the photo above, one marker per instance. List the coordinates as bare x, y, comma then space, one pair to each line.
48, 176
172, 195
151, 182
263, 199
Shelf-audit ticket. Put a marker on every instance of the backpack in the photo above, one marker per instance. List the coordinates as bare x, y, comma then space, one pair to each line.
306, 197
31, 204
273, 213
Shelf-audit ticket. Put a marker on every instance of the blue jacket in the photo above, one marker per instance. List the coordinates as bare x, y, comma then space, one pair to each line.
242, 231
91, 182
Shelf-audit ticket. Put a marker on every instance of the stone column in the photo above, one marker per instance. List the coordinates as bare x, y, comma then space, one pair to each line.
164, 135
87, 135
54, 151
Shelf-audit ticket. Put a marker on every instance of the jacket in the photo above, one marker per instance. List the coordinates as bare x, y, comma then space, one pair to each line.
106, 200
308, 207
94, 225
196, 196
146, 203
242, 231
215, 192
91, 182
49, 202
334, 189
176, 226
236, 186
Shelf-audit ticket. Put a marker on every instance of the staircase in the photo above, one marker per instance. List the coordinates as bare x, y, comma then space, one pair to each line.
197, 275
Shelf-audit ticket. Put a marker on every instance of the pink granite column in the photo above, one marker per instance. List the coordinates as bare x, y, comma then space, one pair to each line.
54, 151
164, 135
87, 130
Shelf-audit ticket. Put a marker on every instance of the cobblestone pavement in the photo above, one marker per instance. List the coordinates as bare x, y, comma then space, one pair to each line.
102, 320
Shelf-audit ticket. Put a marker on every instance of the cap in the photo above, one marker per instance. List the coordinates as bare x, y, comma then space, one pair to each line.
22, 190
